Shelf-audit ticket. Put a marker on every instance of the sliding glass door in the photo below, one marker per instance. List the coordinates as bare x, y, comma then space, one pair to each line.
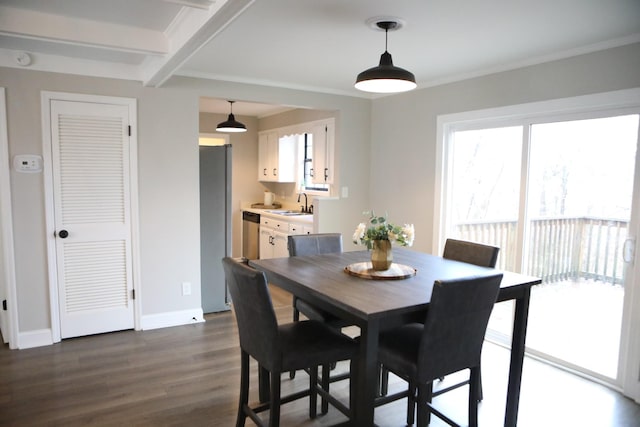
578, 212
555, 194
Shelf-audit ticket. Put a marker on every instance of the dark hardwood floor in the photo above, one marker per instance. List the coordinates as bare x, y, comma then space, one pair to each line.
189, 376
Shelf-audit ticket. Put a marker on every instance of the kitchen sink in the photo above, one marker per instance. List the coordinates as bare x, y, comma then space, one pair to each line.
289, 213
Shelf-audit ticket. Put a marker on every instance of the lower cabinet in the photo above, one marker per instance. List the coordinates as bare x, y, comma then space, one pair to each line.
273, 236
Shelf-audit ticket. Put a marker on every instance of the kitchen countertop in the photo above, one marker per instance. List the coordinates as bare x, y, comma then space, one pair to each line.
273, 213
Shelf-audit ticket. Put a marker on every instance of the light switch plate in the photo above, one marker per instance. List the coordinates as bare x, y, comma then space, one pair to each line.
27, 163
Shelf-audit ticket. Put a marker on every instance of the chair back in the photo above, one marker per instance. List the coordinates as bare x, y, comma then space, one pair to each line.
471, 252
315, 244
257, 323
456, 324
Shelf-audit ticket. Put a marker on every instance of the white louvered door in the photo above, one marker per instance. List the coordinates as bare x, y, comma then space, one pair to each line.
90, 156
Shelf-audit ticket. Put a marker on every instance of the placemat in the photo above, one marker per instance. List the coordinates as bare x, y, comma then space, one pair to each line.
395, 272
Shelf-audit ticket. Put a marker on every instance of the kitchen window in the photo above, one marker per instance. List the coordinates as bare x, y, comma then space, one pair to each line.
307, 171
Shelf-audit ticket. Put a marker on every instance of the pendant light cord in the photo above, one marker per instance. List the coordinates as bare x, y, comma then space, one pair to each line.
386, 39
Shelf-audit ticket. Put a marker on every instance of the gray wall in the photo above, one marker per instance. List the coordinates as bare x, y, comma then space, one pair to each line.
168, 190
403, 142
168, 128
385, 151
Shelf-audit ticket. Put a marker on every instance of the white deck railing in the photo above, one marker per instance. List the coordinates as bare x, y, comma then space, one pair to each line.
559, 248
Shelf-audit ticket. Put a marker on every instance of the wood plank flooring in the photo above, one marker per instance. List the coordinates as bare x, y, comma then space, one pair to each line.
189, 376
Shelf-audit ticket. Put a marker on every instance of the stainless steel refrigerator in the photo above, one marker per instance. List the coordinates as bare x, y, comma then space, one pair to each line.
215, 224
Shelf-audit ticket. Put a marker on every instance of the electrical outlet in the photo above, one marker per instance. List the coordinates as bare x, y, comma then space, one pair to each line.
186, 288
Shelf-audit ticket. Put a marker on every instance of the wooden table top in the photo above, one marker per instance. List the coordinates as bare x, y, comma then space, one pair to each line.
322, 278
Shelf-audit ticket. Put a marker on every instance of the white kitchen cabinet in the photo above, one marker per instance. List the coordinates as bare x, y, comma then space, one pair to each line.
300, 228
280, 245
274, 242
273, 238
296, 228
276, 158
323, 152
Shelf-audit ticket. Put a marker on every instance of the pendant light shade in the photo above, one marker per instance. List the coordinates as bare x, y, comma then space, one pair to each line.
231, 125
386, 78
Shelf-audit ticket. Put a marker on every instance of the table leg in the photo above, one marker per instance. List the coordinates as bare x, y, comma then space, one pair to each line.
520, 317
364, 387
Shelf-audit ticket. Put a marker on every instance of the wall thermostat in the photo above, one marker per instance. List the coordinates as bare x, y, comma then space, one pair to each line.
29, 163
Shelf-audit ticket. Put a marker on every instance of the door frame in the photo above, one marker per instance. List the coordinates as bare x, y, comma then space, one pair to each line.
46, 98
6, 222
627, 101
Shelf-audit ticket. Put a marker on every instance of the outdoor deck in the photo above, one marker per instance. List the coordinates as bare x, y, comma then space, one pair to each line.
575, 321
576, 314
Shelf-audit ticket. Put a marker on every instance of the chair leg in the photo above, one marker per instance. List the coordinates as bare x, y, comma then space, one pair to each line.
424, 397
384, 380
474, 392
326, 376
263, 384
411, 404
313, 394
274, 402
244, 388
480, 393
353, 381
296, 318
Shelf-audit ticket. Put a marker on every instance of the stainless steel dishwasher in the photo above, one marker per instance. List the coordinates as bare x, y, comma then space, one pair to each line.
250, 235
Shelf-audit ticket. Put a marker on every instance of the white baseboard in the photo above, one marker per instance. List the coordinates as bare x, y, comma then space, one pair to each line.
37, 338
172, 318
43, 337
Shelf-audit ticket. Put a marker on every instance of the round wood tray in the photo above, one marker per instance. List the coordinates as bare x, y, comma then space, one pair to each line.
395, 272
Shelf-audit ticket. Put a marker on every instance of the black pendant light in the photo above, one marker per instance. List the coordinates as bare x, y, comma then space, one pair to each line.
231, 125
386, 78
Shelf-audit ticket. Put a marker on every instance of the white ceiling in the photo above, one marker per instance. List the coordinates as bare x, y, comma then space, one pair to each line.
303, 44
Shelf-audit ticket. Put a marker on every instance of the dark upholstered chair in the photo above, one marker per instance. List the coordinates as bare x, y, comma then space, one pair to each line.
449, 341
316, 244
279, 348
471, 253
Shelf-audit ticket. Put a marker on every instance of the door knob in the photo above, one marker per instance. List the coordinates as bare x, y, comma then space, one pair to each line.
63, 234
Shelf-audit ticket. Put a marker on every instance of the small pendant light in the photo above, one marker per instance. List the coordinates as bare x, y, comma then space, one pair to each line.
231, 125
386, 78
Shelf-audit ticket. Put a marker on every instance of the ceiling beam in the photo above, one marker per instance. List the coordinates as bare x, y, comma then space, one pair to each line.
191, 30
41, 26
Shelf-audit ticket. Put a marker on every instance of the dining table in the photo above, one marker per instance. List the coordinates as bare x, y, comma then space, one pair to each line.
375, 303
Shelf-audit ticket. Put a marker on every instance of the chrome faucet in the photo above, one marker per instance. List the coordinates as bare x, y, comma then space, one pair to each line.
304, 209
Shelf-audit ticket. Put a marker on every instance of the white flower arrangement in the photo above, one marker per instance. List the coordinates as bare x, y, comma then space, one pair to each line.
380, 229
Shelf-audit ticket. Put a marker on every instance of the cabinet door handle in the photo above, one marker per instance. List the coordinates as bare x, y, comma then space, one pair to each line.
274, 172
311, 172
326, 173
264, 172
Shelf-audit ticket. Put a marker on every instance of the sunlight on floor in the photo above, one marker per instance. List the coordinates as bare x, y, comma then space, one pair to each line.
576, 321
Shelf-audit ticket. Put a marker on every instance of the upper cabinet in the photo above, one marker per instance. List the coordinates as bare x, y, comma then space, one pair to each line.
323, 149
276, 158
302, 153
